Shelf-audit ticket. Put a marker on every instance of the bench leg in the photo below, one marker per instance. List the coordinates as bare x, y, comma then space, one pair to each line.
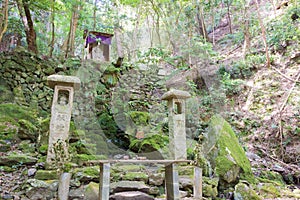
104, 181
172, 182
197, 183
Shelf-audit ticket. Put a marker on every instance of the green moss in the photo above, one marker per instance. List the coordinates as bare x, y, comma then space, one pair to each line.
26, 146
7, 169
111, 69
88, 171
204, 165
230, 156
210, 187
18, 112
17, 159
139, 118
186, 170
43, 149
135, 176
27, 130
271, 177
268, 190
46, 175
8, 128
150, 143
5, 94
91, 191
79, 158
128, 168
242, 191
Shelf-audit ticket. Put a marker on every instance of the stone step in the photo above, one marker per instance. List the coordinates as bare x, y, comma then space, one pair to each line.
132, 195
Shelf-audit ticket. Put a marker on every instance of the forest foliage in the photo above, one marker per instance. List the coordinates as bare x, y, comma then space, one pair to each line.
186, 29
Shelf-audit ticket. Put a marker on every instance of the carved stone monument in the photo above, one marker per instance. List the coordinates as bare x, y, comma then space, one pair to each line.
61, 109
177, 134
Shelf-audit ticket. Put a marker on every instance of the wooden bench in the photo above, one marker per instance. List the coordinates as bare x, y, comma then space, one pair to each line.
171, 176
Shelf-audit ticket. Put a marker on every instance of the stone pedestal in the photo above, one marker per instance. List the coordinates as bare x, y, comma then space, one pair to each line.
61, 109
177, 133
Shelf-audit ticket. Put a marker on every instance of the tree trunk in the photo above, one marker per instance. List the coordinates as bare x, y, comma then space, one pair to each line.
135, 31
263, 33
201, 25
94, 15
229, 18
53, 28
23, 7
70, 50
247, 42
3, 18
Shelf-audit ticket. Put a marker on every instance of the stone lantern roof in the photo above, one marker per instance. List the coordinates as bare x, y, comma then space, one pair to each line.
175, 94
71, 81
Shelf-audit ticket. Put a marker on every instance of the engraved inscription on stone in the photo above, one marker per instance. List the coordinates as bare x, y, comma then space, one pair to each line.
60, 113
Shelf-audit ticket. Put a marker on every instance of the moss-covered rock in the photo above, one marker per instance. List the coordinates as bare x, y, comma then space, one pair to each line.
244, 192
6, 94
268, 190
135, 176
4, 146
92, 191
140, 118
46, 175
27, 130
16, 119
271, 177
81, 158
87, 174
43, 149
210, 187
128, 168
224, 153
17, 159
38, 189
26, 146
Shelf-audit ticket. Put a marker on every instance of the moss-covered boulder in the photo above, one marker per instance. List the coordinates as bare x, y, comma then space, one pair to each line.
18, 122
136, 176
269, 190
87, 174
210, 187
225, 155
38, 189
17, 159
6, 95
46, 175
92, 191
244, 192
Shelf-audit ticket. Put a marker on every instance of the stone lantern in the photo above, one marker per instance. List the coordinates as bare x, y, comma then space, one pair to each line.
177, 134
61, 110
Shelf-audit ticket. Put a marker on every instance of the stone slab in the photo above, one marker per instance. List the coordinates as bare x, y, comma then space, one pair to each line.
134, 195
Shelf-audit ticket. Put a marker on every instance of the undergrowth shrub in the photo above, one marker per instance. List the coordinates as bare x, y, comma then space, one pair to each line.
281, 31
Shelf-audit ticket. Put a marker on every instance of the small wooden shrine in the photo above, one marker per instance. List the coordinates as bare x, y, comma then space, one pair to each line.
97, 45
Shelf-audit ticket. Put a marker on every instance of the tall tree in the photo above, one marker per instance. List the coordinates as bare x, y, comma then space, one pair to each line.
246, 25
70, 47
228, 4
263, 34
200, 21
3, 18
52, 28
24, 11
